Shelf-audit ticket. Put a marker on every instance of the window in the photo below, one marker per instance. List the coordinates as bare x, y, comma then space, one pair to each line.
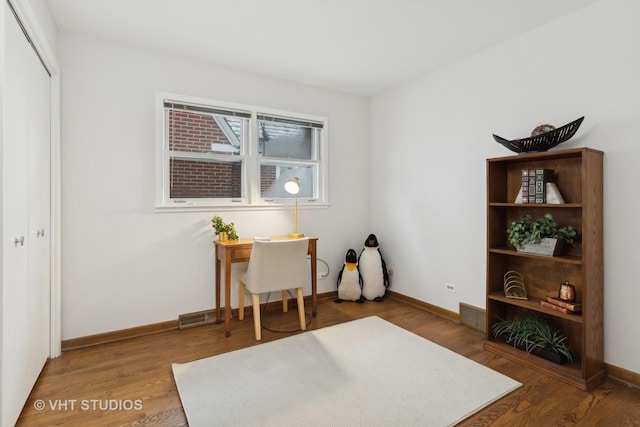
217, 154
288, 148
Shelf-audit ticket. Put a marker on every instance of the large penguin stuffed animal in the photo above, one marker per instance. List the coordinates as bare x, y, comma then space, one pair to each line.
375, 278
350, 280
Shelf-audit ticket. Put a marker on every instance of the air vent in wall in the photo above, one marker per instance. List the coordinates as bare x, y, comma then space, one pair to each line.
199, 318
473, 317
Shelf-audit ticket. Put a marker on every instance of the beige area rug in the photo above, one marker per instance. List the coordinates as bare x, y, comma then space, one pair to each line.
366, 372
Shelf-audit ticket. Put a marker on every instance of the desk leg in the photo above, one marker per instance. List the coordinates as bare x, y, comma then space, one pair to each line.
218, 319
314, 279
227, 296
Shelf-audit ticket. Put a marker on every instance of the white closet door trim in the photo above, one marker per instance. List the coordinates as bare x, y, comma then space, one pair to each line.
38, 39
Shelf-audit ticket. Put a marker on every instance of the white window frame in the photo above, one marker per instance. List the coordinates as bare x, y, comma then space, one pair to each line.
251, 161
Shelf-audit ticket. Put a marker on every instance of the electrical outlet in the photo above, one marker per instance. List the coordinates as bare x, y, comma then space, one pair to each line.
450, 287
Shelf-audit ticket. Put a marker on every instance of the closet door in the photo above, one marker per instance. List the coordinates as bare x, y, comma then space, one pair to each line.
25, 196
39, 141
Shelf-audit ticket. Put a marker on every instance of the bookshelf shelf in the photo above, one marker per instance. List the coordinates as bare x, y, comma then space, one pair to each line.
579, 175
571, 373
533, 304
538, 205
561, 259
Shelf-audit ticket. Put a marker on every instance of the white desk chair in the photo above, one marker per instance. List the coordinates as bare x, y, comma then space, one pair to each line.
277, 265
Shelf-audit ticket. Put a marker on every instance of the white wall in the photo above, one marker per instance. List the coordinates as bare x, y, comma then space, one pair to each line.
431, 136
40, 11
124, 265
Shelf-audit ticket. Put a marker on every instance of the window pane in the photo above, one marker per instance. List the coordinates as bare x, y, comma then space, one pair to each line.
274, 176
287, 140
204, 133
204, 179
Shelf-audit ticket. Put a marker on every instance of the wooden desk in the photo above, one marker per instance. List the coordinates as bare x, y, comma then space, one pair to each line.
239, 251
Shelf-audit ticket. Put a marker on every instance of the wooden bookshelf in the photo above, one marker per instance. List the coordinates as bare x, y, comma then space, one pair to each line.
579, 176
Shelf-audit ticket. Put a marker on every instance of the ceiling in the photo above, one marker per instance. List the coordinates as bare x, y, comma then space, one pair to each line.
360, 47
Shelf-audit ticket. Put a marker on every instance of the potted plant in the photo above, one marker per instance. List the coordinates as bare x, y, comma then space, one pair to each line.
541, 236
534, 335
224, 231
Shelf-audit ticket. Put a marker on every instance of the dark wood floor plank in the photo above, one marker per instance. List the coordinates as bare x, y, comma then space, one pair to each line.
140, 369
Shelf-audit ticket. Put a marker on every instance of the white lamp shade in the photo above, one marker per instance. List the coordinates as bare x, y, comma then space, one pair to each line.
292, 186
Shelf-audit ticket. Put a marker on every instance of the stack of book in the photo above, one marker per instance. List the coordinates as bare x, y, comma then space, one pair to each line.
534, 184
556, 303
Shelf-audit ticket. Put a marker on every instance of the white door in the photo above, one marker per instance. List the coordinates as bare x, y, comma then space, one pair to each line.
25, 194
39, 139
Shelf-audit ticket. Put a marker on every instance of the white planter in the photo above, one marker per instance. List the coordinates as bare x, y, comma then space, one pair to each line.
546, 247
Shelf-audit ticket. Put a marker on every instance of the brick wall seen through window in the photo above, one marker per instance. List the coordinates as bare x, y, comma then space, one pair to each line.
194, 133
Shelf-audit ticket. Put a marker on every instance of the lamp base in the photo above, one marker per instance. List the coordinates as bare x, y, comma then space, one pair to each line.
296, 235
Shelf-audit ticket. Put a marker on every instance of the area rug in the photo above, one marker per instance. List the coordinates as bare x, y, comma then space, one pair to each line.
366, 372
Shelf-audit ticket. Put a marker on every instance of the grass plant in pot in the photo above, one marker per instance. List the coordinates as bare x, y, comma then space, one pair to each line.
534, 335
224, 231
541, 236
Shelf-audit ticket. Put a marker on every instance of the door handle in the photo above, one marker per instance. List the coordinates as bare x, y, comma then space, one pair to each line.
40, 233
19, 240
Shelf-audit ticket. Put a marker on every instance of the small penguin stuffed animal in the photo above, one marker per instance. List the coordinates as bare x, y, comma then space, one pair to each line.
375, 278
349, 280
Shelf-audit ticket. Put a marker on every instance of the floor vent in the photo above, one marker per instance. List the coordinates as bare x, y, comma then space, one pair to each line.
473, 317
199, 318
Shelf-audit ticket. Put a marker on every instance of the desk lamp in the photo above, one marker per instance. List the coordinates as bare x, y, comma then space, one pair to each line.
293, 187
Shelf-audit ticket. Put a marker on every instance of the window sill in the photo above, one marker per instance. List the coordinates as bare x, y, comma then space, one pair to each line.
238, 208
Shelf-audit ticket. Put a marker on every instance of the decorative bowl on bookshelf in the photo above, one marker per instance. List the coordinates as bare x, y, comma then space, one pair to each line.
547, 247
549, 355
540, 236
543, 141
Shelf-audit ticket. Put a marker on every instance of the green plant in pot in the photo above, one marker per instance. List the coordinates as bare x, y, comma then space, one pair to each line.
223, 230
534, 334
526, 232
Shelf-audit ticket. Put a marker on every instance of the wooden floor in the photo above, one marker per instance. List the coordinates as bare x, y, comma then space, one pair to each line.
131, 383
